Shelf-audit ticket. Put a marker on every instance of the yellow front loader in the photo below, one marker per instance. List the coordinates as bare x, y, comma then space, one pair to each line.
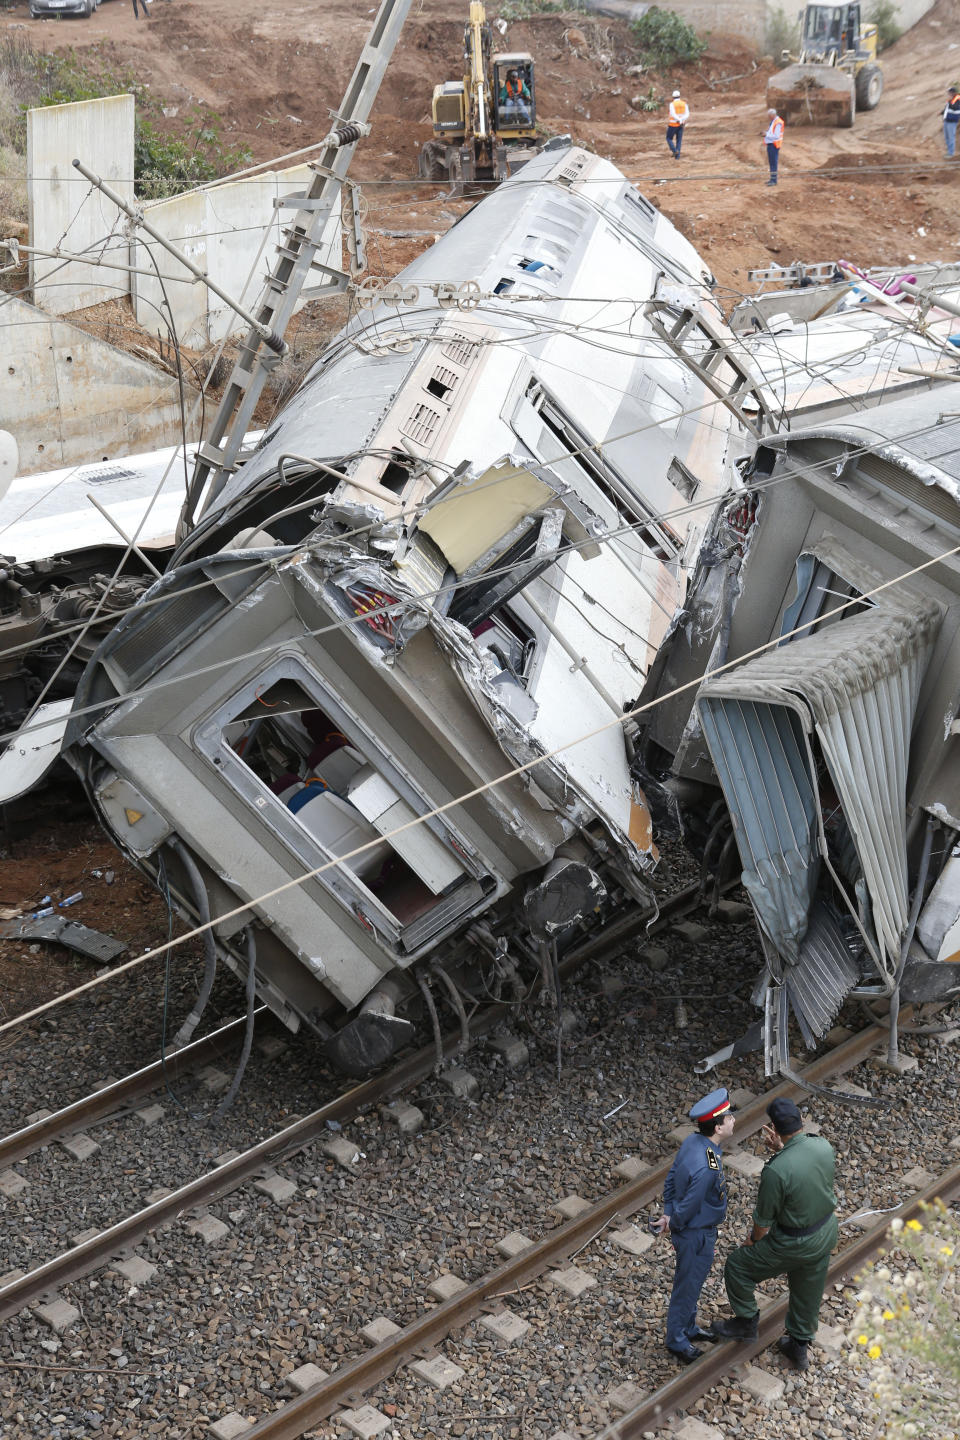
836, 73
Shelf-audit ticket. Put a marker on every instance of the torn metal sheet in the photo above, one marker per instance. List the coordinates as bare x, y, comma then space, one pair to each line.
31, 754
853, 686
92, 944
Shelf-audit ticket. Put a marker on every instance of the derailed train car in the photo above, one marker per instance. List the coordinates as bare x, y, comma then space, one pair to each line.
823, 627
455, 552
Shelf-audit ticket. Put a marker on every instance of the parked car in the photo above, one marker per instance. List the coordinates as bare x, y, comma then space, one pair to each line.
53, 9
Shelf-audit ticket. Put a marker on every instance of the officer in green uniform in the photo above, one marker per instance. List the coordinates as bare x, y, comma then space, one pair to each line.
794, 1231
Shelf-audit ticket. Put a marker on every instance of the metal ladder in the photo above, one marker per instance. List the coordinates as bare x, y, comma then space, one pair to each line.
678, 327
217, 456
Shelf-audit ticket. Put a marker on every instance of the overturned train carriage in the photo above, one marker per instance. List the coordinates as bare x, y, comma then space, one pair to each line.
824, 618
454, 553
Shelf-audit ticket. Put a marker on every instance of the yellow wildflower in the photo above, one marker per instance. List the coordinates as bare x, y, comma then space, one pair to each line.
888, 1314
862, 1340
946, 1249
914, 1225
875, 1352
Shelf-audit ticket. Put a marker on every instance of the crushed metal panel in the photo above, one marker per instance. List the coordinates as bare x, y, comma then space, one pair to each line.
31, 754
481, 510
938, 928
855, 685
91, 943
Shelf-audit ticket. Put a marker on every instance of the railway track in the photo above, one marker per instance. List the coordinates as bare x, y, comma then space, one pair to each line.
120, 1095
360, 1375
354, 1377
357, 1377
680, 1393
119, 1239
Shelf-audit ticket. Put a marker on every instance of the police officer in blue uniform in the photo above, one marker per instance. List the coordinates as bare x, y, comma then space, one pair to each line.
694, 1205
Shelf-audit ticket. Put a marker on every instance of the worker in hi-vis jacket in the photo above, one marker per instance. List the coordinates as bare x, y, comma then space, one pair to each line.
677, 118
773, 139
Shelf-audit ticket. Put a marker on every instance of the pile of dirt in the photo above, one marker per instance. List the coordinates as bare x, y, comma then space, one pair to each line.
881, 193
56, 861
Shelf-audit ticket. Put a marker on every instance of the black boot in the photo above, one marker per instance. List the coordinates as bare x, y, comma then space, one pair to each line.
795, 1351
686, 1356
738, 1327
698, 1334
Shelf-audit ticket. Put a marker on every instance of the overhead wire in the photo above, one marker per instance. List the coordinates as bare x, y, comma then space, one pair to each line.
841, 172
589, 448
518, 770
570, 329
827, 466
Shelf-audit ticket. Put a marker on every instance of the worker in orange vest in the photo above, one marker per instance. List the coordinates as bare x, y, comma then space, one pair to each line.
677, 118
514, 100
773, 140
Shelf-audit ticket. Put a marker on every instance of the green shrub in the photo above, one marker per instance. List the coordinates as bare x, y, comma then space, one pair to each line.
511, 10
163, 165
883, 14
782, 33
166, 165
906, 1333
665, 39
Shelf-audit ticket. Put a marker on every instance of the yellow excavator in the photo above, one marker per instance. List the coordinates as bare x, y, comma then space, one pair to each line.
485, 125
836, 73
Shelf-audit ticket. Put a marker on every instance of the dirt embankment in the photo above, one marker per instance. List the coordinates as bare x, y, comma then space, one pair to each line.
880, 193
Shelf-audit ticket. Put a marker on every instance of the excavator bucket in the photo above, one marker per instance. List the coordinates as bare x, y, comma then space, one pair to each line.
813, 95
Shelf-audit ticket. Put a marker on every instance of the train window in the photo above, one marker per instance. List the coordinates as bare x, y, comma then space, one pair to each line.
639, 203
682, 479
573, 447
537, 267
820, 590
318, 782
510, 643
665, 410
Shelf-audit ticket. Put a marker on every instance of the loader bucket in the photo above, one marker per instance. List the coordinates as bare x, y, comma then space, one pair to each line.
813, 95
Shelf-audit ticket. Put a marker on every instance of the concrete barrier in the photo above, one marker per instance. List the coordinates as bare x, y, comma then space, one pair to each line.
68, 398
63, 209
222, 229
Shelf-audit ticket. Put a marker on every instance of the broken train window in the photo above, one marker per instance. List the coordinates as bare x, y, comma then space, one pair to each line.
543, 425
317, 780
821, 590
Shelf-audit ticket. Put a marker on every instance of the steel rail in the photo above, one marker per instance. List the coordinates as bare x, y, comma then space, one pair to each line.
360, 1374
70, 1118
700, 1377
119, 1238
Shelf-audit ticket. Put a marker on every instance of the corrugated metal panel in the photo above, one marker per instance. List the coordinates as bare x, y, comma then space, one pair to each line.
818, 984
760, 756
855, 685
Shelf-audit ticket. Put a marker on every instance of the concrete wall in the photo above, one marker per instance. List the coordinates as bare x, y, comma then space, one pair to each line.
62, 211
221, 229
68, 398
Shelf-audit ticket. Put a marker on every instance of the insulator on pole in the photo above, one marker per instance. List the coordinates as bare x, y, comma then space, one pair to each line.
342, 135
